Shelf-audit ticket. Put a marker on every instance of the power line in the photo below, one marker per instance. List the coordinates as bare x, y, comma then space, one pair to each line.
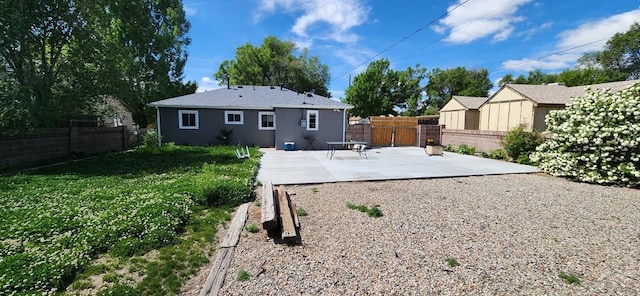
402, 40
461, 26
553, 53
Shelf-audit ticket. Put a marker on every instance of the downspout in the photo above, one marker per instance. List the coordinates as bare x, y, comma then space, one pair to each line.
344, 124
158, 126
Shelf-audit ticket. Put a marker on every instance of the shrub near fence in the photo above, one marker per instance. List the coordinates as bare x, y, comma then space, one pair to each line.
57, 144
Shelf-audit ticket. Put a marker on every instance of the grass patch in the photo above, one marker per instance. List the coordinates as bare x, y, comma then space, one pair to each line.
361, 208
314, 190
243, 275
301, 212
372, 211
569, 278
253, 228
452, 262
56, 220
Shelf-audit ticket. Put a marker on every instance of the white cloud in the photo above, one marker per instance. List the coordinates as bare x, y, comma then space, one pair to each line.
353, 57
303, 42
337, 94
478, 19
597, 30
191, 8
530, 32
340, 15
588, 37
530, 65
206, 83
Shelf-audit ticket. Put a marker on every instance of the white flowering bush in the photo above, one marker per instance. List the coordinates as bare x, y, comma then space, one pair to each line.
595, 139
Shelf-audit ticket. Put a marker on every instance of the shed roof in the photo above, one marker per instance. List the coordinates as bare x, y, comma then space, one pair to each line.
471, 103
554, 94
251, 97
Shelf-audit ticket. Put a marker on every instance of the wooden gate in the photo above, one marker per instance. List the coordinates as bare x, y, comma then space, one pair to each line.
394, 131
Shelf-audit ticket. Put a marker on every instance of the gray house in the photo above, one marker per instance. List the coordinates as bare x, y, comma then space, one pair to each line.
264, 116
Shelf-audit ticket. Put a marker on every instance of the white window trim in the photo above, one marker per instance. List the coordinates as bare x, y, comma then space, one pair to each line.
317, 113
195, 112
260, 127
226, 117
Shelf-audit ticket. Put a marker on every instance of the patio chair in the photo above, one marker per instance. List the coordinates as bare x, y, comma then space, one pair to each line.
243, 153
361, 149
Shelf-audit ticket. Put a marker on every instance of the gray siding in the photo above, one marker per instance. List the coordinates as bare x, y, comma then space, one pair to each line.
287, 122
288, 128
211, 122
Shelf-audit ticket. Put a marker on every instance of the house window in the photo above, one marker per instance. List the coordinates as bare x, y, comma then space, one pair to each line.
188, 119
266, 120
233, 117
312, 120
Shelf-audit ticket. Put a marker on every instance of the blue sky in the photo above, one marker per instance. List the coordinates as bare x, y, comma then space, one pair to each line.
504, 36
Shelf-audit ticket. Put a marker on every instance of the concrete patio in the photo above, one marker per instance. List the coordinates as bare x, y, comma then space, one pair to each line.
388, 163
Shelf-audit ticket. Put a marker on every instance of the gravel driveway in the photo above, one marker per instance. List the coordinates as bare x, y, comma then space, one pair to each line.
511, 234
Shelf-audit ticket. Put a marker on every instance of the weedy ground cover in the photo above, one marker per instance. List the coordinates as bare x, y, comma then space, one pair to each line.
54, 222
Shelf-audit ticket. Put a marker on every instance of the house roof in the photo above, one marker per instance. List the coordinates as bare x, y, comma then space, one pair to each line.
470, 103
554, 94
251, 97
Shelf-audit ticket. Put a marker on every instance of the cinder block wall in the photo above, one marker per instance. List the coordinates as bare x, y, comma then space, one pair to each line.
27, 150
482, 140
428, 131
360, 132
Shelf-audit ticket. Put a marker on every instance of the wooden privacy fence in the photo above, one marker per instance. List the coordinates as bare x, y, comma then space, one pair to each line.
393, 131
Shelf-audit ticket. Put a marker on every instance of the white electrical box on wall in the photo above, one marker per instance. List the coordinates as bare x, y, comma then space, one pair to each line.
303, 122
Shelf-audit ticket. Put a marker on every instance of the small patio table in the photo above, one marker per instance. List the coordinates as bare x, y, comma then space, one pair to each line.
333, 145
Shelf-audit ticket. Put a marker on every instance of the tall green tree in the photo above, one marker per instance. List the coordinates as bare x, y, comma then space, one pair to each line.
380, 90
506, 79
62, 58
147, 41
586, 76
410, 87
579, 75
622, 53
443, 84
38, 46
276, 62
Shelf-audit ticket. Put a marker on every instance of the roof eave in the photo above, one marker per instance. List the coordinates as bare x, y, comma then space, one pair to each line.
310, 106
303, 106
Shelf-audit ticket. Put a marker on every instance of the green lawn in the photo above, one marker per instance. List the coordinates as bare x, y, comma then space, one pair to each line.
55, 222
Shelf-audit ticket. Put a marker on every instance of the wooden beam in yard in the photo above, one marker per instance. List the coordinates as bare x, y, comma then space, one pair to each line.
296, 221
289, 234
269, 218
215, 280
225, 253
233, 235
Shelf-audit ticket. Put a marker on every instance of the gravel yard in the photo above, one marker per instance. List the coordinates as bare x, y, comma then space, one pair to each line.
510, 234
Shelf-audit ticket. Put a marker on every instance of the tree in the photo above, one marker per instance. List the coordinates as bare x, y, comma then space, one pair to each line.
276, 62
506, 79
410, 88
443, 84
39, 42
622, 53
147, 41
539, 78
370, 93
62, 58
380, 90
579, 75
587, 76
